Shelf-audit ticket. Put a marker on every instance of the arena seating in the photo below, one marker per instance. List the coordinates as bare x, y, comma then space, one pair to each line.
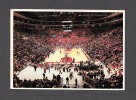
105, 46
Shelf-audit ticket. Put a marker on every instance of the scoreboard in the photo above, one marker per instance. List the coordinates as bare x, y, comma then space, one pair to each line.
67, 26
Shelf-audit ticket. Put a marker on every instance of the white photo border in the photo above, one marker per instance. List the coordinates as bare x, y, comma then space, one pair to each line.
61, 10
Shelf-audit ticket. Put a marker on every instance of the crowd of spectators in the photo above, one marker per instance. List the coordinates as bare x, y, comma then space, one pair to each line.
37, 83
105, 46
29, 49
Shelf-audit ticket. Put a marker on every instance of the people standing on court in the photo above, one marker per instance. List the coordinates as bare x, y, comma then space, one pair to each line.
44, 69
67, 81
53, 76
73, 60
64, 69
75, 69
49, 69
71, 75
43, 75
35, 68
62, 81
67, 70
60, 71
76, 82
83, 76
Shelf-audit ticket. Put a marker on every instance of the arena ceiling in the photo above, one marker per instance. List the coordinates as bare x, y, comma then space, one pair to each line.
63, 16
75, 19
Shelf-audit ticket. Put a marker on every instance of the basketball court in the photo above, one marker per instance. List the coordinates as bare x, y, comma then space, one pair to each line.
60, 53
29, 72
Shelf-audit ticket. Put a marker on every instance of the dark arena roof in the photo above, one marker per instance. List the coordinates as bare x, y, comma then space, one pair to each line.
68, 19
